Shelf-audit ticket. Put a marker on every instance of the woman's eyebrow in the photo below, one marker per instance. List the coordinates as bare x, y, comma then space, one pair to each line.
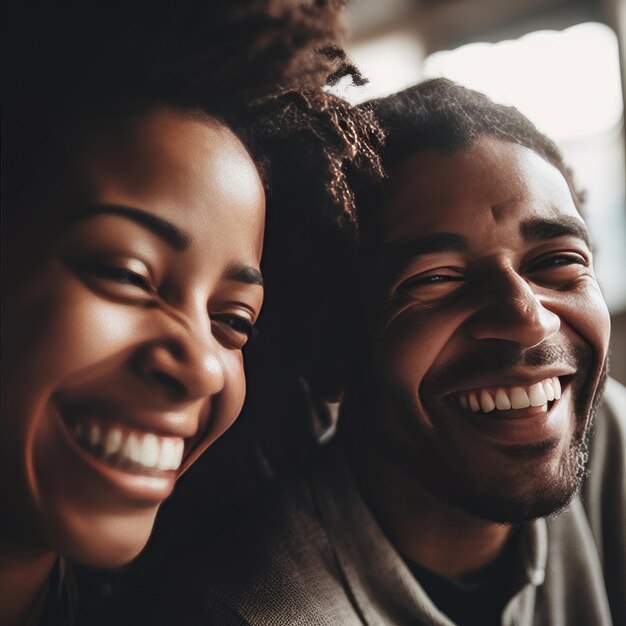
244, 274
172, 235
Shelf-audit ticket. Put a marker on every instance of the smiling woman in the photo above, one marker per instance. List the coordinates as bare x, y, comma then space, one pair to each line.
135, 323
132, 236
123, 344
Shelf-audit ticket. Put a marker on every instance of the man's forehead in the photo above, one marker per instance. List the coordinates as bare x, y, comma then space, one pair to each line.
489, 183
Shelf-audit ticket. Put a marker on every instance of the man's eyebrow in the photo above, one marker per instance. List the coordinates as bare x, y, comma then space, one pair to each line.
168, 232
396, 257
543, 229
244, 274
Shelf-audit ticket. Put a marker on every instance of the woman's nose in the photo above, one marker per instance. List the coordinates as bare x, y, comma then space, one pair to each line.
185, 367
510, 310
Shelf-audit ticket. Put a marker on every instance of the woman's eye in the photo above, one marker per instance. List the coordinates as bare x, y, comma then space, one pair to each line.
235, 329
123, 276
125, 279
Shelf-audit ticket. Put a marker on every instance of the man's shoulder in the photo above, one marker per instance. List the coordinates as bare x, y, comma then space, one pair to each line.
614, 401
590, 537
608, 440
258, 565
266, 564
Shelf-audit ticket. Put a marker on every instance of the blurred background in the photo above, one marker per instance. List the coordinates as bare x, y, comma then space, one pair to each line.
561, 62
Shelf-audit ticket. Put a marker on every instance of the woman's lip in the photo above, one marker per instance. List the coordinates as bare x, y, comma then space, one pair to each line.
183, 423
143, 488
192, 430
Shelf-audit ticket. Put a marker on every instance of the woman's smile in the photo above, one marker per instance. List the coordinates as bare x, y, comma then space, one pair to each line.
125, 344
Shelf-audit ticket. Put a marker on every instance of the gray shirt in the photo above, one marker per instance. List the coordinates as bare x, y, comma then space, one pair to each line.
313, 555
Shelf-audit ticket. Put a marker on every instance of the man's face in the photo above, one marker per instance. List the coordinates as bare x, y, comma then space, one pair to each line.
490, 333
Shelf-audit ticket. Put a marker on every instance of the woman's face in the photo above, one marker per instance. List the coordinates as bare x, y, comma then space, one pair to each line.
122, 350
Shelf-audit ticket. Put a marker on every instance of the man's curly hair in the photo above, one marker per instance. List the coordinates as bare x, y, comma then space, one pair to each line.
439, 114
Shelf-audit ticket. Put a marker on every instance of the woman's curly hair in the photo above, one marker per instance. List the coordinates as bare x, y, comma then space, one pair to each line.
260, 66
257, 65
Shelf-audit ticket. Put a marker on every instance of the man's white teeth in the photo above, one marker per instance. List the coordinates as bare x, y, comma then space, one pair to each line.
119, 446
517, 397
486, 402
503, 402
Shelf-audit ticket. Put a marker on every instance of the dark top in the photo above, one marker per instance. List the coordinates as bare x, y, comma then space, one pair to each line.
478, 601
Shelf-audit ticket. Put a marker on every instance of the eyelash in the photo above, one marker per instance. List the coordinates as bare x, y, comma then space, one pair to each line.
238, 324
123, 276
559, 260
238, 329
431, 279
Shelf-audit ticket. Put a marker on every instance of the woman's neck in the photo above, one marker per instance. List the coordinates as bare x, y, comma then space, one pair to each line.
24, 577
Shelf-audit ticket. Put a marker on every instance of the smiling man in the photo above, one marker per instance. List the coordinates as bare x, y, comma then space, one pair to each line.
478, 476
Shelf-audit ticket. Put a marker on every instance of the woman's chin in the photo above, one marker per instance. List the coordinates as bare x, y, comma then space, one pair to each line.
103, 541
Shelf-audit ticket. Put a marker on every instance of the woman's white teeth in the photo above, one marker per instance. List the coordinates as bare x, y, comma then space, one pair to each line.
150, 450
506, 398
132, 448
94, 434
113, 441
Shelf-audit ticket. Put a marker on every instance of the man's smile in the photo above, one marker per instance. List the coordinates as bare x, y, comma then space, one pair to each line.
516, 414
510, 398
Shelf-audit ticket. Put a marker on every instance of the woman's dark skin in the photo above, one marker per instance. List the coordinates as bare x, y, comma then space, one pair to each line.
130, 327
145, 334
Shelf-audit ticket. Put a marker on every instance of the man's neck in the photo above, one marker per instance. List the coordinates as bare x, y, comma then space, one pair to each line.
436, 535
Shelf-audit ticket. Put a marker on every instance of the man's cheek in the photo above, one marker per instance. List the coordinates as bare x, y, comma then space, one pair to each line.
587, 314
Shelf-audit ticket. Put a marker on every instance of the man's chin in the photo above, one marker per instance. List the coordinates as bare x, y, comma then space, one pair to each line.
545, 496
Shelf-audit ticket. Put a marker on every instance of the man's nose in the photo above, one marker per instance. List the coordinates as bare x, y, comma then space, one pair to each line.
510, 310
183, 366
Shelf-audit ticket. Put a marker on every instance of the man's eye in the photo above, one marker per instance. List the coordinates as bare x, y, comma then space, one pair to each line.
558, 270
430, 280
558, 260
430, 286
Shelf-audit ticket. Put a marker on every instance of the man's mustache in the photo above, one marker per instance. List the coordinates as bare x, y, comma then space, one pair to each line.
504, 355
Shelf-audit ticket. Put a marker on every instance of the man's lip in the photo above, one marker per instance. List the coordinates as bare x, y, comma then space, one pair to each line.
515, 427
514, 376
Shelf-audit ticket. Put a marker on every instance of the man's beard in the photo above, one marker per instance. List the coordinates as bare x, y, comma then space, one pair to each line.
542, 490
553, 492
551, 496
